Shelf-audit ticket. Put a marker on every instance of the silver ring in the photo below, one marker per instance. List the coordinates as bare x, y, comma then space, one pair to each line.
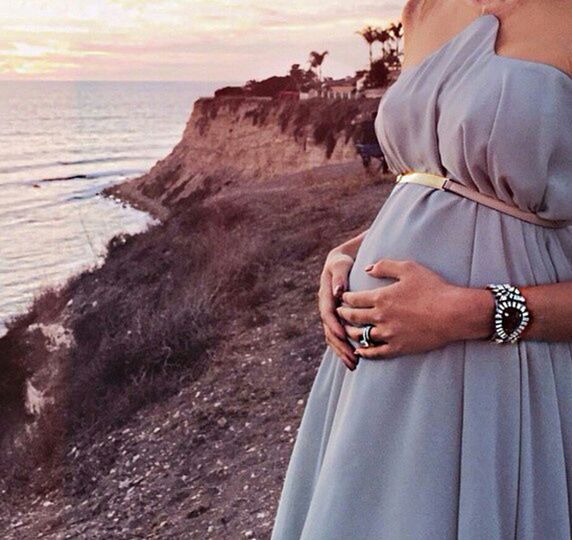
365, 339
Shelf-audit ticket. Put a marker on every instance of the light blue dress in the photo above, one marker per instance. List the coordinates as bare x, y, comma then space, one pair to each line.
472, 440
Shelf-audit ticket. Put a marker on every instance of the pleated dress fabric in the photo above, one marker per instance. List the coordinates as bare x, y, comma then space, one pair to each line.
472, 440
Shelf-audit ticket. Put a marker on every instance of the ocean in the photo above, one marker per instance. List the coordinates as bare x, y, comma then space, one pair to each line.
61, 143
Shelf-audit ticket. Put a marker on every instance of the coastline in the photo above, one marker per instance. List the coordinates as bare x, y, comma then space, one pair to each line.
236, 409
213, 313
123, 194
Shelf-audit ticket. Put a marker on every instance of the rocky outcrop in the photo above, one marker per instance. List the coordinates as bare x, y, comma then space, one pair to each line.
235, 138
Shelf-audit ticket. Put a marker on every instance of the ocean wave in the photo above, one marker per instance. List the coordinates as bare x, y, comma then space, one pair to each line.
103, 160
87, 161
87, 176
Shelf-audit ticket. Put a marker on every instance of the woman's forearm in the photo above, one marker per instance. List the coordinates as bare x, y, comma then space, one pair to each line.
550, 306
351, 246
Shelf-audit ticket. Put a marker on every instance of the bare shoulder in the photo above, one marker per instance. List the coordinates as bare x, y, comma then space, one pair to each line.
413, 11
550, 43
439, 18
427, 24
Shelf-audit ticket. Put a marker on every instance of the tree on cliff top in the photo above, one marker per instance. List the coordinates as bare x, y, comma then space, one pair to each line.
390, 39
370, 34
377, 76
391, 42
316, 60
229, 91
271, 86
304, 79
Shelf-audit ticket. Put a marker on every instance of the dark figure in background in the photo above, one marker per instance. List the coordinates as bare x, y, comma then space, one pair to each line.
368, 146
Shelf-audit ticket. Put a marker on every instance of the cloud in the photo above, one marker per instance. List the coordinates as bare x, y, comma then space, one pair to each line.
224, 39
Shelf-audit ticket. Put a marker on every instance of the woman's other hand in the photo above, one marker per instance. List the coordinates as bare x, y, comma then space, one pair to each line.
419, 312
333, 283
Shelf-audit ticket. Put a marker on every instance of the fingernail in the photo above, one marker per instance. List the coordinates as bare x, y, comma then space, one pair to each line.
337, 290
368, 267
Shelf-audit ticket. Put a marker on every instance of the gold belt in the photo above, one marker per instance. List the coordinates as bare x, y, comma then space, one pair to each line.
448, 184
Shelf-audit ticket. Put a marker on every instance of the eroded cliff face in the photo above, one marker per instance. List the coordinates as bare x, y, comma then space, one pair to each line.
52, 355
232, 138
158, 317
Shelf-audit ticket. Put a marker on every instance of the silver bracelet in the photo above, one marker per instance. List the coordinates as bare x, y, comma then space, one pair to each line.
511, 313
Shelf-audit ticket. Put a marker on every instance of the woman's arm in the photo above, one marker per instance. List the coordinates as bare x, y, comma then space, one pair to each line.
550, 306
421, 311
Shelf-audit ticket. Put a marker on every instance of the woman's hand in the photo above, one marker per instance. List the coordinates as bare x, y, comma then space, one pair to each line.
333, 282
419, 312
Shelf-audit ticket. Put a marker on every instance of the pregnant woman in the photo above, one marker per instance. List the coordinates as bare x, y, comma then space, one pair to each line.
442, 407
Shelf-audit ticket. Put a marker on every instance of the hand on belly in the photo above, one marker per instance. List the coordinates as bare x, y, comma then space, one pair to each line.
416, 313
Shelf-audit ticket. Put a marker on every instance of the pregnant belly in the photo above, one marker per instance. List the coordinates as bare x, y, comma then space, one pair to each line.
420, 224
416, 223
466, 243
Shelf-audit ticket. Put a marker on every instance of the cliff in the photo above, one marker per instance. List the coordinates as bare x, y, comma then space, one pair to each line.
158, 395
237, 139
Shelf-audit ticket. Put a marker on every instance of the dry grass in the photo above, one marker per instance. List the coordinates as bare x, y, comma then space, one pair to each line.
144, 324
149, 321
246, 259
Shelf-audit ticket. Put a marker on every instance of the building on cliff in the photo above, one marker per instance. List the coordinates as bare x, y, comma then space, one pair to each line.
344, 88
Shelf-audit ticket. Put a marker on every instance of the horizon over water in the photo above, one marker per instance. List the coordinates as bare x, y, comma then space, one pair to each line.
61, 143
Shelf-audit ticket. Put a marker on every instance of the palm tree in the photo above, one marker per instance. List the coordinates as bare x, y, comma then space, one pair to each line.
383, 36
394, 34
396, 30
316, 59
370, 34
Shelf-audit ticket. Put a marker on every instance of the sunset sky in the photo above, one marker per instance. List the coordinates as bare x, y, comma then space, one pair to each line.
232, 40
